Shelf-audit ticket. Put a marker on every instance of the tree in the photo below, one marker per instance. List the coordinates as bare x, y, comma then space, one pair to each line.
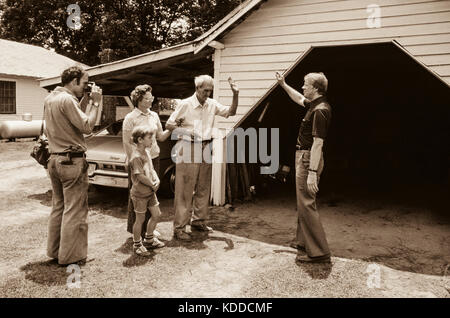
112, 29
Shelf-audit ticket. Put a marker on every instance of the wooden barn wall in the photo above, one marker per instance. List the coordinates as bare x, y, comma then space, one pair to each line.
280, 31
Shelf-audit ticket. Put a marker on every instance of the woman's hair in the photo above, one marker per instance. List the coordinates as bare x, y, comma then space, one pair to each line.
139, 92
319, 81
141, 132
69, 74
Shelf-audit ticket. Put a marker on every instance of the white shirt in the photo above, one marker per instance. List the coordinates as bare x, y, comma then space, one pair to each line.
197, 117
138, 118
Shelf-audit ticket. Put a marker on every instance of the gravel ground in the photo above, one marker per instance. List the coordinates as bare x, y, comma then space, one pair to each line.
244, 257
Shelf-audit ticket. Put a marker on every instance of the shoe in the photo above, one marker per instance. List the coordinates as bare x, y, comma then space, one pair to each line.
201, 227
297, 246
307, 259
141, 251
81, 262
154, 243
182, 235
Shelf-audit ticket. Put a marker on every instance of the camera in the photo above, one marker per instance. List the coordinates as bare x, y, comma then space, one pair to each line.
88, 89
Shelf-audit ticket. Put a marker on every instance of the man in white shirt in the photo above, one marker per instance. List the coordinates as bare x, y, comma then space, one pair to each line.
193, 121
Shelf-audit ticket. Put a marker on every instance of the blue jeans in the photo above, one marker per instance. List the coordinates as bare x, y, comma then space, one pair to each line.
310, 232
67, 226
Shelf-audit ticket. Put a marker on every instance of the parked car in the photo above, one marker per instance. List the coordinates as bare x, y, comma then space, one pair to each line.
107, 159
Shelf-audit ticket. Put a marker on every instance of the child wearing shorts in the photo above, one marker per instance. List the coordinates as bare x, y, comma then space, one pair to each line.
143, 192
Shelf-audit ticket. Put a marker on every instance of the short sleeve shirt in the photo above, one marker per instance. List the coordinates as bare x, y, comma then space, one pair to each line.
140, 164
315, 123
198, 117
150, 119
65, 122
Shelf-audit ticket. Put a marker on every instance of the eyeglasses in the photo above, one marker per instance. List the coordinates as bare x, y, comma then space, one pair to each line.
150, 99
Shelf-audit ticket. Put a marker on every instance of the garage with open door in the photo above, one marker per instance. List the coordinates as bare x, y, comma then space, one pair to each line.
390, 123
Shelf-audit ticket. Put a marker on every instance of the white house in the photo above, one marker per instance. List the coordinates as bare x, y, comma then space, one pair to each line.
21, 67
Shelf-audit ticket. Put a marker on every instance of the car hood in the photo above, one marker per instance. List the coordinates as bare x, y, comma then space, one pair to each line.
105, 148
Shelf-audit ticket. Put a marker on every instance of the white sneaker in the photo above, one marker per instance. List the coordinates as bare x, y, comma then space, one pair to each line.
154, 243
141, 251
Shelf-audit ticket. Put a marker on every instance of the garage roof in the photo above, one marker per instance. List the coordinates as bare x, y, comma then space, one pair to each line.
170, 71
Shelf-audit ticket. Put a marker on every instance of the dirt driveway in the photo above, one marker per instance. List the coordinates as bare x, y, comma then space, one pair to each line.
379, 250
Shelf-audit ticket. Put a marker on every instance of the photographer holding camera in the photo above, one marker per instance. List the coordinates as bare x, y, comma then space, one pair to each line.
65, 125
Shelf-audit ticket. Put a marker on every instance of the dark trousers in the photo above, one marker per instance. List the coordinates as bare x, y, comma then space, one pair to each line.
131, 214
310, 232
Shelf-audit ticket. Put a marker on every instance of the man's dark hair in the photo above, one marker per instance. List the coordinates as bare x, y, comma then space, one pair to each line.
72, 72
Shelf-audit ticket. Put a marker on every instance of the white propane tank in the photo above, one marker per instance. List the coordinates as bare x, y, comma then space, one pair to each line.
20, 129
27, 116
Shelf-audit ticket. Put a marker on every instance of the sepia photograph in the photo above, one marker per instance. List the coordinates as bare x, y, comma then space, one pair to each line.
225, 155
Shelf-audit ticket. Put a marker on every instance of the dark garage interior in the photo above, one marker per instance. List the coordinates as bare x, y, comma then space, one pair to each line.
390, 124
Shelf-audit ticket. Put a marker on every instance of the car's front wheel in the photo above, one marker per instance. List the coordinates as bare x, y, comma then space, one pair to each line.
168, 183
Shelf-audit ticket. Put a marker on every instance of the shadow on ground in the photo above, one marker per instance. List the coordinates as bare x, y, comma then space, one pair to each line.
134, 260
399, 231
44, 198
47, 273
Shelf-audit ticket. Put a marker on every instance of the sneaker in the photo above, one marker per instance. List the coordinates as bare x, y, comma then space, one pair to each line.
201, 227
182, 235
141, 251
154, 243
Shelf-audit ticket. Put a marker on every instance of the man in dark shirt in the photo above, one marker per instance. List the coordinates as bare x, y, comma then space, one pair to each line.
65, 124
309, 165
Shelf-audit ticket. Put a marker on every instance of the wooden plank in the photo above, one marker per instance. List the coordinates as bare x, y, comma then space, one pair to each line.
243, 92
254, 67
295, 43
273, 9
249, 75
284, 57
424, 39
432, 34
429, 49
290, 3
442, 70
255, 22
340, 26
430, 60
248, 84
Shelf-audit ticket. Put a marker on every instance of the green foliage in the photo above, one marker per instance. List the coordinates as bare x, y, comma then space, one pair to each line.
112, 29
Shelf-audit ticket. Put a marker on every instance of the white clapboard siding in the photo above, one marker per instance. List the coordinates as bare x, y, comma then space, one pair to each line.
29, 98
280, 31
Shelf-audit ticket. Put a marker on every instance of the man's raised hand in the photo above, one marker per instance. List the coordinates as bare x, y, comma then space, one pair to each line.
280, 78
233, 85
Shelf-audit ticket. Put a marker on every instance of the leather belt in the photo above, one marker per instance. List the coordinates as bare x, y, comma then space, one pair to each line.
203, 141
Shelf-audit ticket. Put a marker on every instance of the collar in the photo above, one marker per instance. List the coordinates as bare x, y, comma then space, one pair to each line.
317, 101
197, 103
140, 112
63, 89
